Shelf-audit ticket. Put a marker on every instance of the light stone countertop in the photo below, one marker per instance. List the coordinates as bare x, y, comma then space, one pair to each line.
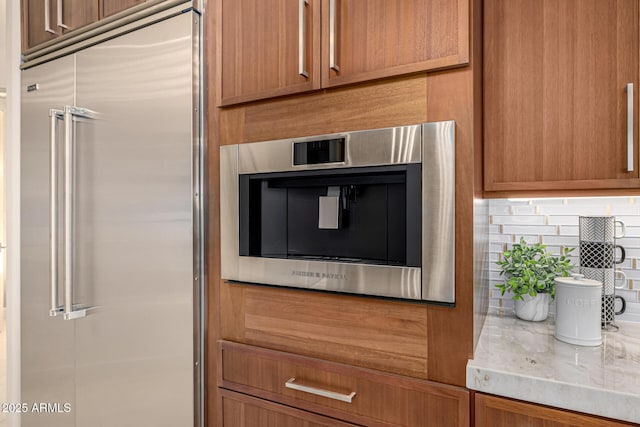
523, 360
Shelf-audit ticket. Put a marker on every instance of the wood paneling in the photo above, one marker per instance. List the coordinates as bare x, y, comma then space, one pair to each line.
396, 102
555, 101
111, 7
379, 399
359, 331
260, 49
382, 38
240, 410
494, 411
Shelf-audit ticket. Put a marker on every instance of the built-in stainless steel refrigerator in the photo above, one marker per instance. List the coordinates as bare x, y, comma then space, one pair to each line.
111, 224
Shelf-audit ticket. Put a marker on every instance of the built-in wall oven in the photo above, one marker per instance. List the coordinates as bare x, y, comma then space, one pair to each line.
368, 212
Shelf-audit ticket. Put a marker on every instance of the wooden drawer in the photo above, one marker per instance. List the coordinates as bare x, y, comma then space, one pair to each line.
378, 399
240, 410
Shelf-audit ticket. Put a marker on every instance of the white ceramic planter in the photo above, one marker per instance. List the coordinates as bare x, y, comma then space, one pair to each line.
535, 309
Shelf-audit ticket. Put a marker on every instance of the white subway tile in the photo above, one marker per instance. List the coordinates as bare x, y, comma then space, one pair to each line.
568, 230
518, 219
563, 220
629, 220
495, 229
501, 238
571, 241
633, 231
500, 210
524, 210
629, 317
497, 247
529, 229
573, 210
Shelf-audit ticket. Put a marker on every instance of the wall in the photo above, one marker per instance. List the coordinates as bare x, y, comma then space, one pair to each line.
554, 222
3, 44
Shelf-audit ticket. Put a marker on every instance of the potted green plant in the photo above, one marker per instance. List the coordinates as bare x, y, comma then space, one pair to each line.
529, 272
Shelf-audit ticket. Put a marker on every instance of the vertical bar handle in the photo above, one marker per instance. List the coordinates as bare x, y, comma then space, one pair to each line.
47, 17
332, 36
70, 312
60, 22
630, 157
54, 308
301, 38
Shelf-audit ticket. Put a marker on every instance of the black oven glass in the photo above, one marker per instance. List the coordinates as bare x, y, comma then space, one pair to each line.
376, 215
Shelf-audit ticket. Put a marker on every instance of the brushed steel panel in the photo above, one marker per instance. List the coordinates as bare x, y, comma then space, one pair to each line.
47, 355
438, 211
398, 145
134, 229
229, 211
377, 280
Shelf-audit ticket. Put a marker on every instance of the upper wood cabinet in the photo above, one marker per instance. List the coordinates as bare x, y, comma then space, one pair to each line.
365, 40
44, 20
492, 411
268, 48
47, 19
274, 47
111, 7
40, 19
555, 99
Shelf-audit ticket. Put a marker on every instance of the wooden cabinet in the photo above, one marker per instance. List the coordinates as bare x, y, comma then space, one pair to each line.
40, 19
365, 40
274, 47
240, 410
494, 411
111, 7
356, 395
47, 19
268, 48
555, 74
44, 20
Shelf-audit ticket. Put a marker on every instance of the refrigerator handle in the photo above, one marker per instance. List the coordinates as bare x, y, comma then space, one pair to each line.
54, 308
70, 313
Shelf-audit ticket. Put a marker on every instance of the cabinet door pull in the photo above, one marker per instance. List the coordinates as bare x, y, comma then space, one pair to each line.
301, 38
47, 17
60, 23
332, 36
630, 158
319, 392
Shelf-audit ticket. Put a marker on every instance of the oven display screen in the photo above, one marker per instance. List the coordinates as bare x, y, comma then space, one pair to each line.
315, 152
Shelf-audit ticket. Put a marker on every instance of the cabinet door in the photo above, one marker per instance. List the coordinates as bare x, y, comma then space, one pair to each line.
76, 13
40, 20
364, 40
269, 48
494, 411
111, 7
555, 74
239, 410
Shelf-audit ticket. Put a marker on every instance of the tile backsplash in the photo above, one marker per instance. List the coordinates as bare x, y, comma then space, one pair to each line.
554, 222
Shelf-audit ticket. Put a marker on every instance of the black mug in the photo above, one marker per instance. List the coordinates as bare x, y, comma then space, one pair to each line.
600, 254
608, 308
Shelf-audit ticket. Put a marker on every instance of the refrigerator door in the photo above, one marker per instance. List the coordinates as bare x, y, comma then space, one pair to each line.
134, 229
48, 359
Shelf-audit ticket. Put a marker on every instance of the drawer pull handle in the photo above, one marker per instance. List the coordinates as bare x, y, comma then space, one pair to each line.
319, 392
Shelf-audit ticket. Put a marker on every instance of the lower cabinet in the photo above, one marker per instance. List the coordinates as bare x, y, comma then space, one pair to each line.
342, 392
239, 410
492, 411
